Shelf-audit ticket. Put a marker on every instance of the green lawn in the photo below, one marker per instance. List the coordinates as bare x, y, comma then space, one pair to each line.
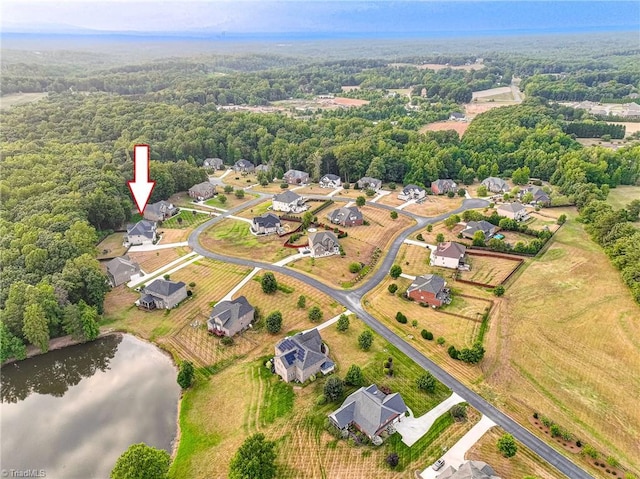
623, 195
277, 397
185, 219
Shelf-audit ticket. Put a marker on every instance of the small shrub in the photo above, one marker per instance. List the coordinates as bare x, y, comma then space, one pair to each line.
315, 314
498, 290
227, 341
393, 287
322, 400
535, 415
458, 412
284, 186
420, 237
392, 460
401, 318
612, 461
555, 430
167, 277
579, 443
302, 301
429, 228
426, 383
590, 451
343, 323
440, 341
355, 267
392, 186
228, 189
453, 352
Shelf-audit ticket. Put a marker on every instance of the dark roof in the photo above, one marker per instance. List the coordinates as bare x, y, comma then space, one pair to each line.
214, 161
330, 177
455, 114
228, 312
323, 237
244, 163
142, 228
407, 189
371, 181
430, 283
287, 197
160, 207
163, 287
450, 249
296, 174
512, 207
121, 265
369, 408
473, 226
268, 220
302, 350
345, 212
444, 183
469, 470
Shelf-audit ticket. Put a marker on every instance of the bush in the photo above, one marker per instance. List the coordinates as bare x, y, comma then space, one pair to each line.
451, 194
507, 445
401, 318
393, 287
284, 186
360, 201
354, 376
555, 430
498, 290
578, 443
395, 271
343, 323
185, 374
394, 215
365, 340
369, 192
302, 301
429, 228
439, 238
355, 267
315, 314
333, 388
322, 400
426, 383
612, 461
269, 283
420, 237
274, 322
222, 199
458, 412
392, 186
428, 335
227, 341
167, 277
392, 460
535, 415
346, 185
440, 341
228, 189
462, 192
562, 219
453, 352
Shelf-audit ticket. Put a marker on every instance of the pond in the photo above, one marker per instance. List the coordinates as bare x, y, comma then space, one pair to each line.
70, 413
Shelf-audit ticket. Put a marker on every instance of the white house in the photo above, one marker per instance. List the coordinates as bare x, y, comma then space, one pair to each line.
143, 232
330, 181
289, 202
515, 211
412, 192
448, 255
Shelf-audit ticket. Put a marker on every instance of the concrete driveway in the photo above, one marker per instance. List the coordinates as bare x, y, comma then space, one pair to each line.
455, 456
413, 428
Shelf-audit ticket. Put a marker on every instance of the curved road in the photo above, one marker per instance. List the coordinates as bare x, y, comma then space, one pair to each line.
352, 300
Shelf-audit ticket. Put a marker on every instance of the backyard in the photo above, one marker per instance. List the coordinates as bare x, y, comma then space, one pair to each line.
185, 220
111, 246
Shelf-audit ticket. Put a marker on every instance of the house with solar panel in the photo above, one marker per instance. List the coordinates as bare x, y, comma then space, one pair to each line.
299, 357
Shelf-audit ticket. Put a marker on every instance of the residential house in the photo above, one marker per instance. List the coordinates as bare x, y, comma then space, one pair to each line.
540, 197
515, 211
330, 181
121, 270
213, 164
289, 202
300, 356
366, 182
449, 255
296, 177
228, 318
162, 294
472, 226
266, 224
370, 411
262, 167
429, 289
495, 185
346, 216
202, 191
442, 187
143, 232
456, 116
160, 211
244, 166
323, 243
412, 192
469, 470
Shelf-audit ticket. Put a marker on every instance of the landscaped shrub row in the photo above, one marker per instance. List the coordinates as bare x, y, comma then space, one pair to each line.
375, 256
324, 205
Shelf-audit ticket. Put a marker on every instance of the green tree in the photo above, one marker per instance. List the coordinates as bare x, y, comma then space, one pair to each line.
360, 201
255, 459
395, 271
315, 314
507, 445
393, 287
228, 189
394, 214
239, 193
439, 238
451, 221
478, 238
498, 290
527, 197
343, 323
269, 283
333, 388
521, 176
274, 322
142, 462
426, 382
562, 219
10, 345
185, 374
307, 219
482, 191
35, 327
354, 376
365, 340
355, 267
85, 280
302, 301
222, 199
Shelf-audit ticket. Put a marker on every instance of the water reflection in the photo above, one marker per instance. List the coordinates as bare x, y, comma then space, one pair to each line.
56, 371
73, 412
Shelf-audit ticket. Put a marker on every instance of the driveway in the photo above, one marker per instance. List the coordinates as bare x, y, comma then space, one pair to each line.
413, 428
455, 456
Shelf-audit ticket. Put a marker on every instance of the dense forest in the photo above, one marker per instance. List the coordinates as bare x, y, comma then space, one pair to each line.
66, 159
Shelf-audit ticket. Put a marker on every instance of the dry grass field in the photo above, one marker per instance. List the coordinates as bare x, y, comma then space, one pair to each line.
111, 246
566, 343
524, 464
392, 198
631, 127
621, 196
170, 235
152, 260
233, 238
15, 99
237, 180
458, 126
435, 205
313, 189
488, 270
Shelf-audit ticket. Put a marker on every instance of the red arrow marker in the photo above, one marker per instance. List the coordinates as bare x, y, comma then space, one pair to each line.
141, 187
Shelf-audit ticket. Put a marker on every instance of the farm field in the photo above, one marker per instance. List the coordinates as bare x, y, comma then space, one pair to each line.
458, 126
289, 415
15, 99
475, 108
524, 464
233, 238
150, 261
111, 246
621, 196
570, 300
435, 205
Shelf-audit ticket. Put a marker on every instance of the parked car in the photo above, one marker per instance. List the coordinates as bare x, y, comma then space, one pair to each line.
438, 464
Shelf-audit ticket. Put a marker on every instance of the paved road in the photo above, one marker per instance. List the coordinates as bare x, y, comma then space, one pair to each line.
352, 301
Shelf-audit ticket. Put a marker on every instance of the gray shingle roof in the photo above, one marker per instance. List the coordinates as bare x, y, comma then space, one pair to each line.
330, 177
409, 188
268, 220
303, 349
243, 164
142, 228
371, 181
450, 249
445, 183
351, 213
512, 207
473, 226
163, 287
228, 312
369, 408
469, 470
296, 174
122, 265
203, 187
431, 283
326, 238
287, 197
159, 208
492, 182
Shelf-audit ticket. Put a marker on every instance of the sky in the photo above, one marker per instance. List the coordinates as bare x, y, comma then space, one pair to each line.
243, 16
